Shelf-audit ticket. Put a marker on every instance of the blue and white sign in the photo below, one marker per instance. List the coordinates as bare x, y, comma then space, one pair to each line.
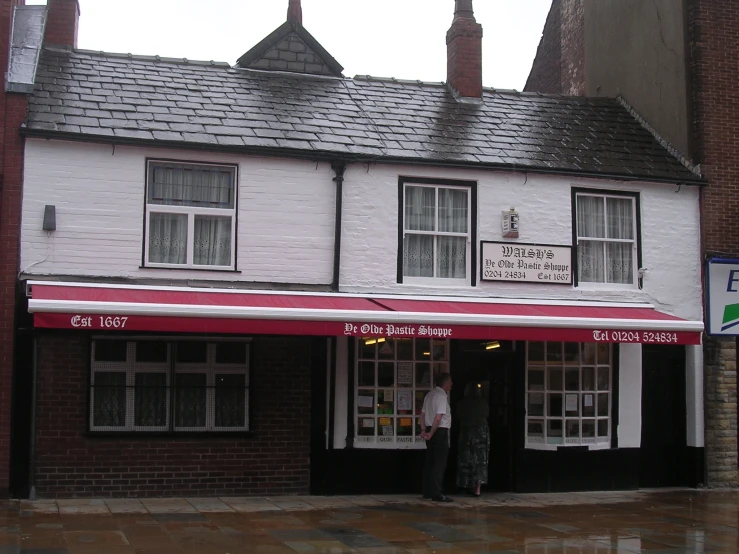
723, 297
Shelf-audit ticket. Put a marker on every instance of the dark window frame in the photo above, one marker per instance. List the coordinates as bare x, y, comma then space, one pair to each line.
472, 185
636, 195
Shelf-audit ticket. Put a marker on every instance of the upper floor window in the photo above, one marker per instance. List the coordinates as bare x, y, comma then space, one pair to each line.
190, 215
606, 238
436, 232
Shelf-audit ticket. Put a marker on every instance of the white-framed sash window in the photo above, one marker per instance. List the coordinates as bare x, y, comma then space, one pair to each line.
606, 229
190, 215
436, 234
568, 394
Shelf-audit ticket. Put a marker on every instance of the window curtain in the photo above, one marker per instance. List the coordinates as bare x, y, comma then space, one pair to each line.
452, 251
422, 252
191, 186
420, 209
418, 256
212, 241
168, 238
605, 261
452, 257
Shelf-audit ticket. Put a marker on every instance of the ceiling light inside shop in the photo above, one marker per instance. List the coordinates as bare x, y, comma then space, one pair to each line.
493, 344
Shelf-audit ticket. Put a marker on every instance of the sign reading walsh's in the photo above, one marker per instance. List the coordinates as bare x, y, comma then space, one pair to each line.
723, 297
528, 263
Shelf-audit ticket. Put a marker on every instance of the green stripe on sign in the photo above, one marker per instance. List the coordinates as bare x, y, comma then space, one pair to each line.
731, 316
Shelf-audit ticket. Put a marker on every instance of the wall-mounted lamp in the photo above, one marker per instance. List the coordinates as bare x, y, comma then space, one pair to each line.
49, 218
510, 224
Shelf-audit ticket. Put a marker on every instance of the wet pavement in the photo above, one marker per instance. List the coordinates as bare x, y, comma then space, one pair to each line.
674, 521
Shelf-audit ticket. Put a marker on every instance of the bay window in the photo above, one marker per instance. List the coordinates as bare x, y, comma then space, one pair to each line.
568, 394
392, 378
190, 215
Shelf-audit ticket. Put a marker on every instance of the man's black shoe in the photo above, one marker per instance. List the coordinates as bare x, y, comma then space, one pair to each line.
442, 498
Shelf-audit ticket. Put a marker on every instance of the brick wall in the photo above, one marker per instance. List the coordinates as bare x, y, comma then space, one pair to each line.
546, 72
714, 59
274, 461
559, 65
12, 114
721, 412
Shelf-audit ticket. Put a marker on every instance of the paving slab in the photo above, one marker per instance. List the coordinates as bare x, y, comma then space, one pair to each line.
668, 521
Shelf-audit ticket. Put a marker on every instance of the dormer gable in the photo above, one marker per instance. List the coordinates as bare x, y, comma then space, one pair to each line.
291, 48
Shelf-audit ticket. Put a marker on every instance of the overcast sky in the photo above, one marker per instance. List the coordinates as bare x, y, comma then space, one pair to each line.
404, 39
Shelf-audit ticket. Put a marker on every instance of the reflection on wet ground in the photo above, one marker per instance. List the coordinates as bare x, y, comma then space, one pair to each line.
673, 521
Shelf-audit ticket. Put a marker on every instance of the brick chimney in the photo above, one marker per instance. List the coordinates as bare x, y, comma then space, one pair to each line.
294, 13
61, 24
464, 52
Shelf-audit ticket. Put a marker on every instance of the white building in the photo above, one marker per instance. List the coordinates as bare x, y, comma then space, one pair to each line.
253, 273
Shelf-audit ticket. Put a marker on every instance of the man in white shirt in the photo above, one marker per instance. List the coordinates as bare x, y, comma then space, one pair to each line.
436, 420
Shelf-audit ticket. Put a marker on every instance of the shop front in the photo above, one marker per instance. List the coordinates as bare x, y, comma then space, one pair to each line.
145, 390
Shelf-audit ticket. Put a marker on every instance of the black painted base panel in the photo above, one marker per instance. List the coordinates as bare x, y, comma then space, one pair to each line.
359, 471
568, 470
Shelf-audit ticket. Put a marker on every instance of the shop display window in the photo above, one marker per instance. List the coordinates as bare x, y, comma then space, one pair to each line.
568, 394
151, 385
392, 378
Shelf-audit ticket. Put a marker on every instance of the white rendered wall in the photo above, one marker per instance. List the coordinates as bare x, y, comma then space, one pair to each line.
669, 232
285, 220
629, 395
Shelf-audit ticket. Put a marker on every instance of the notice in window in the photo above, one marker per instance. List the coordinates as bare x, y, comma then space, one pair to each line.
405, 374
366, 402
385, 421
368, 423
406, 422
405, 400
571, 402
588, 401
388, 395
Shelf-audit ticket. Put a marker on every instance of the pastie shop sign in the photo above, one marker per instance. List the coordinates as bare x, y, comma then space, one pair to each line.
526, 263
395, 330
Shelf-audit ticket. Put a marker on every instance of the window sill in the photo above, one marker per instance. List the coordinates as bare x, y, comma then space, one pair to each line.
168, 434
174, 268
568, 447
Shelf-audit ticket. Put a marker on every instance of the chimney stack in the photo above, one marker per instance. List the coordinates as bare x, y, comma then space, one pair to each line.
464, 52
61, 23
294, 13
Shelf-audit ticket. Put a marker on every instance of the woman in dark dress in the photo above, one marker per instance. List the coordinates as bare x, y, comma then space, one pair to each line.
474, 439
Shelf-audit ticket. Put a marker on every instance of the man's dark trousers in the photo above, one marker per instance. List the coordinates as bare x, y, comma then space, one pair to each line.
437, 451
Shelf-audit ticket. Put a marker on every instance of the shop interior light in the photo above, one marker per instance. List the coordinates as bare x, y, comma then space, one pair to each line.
427, 353
493, 344
369, 342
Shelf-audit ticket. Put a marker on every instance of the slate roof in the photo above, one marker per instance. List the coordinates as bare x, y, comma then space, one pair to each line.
126, 99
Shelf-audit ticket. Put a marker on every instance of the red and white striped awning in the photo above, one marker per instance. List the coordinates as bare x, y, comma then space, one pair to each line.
170, 309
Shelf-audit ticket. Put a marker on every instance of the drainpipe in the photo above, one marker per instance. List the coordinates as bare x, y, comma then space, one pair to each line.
339, 168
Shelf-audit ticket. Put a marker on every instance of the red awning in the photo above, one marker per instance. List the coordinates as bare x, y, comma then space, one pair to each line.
171, 309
